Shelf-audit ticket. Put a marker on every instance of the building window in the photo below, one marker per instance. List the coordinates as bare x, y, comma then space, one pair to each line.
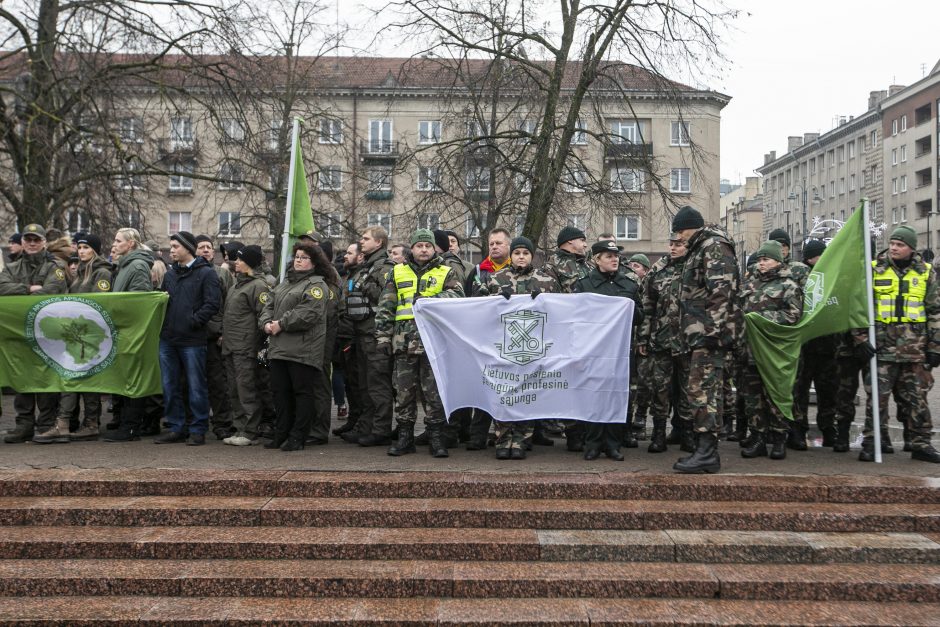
430, 221
679, 135
429, 131
894, 215
575, 179
472, 228
851, 150
380, 136
842, 185
832, 158
331, 131
331, 224
181, 132
526, 131
232, 131
842, 215
626, 180
832, 189
679, 181
523, 183
130, 179
894, 186
179, 221
627, 227
230, 177
822, 190
580, 134
873, 139
903, 154
274, 133
903, 123
330, 179
383, 220
181, 180
477, 130
230, 223
841, 154
822, 162
894, 127
428, 179
380, 179
852, 183
478, 179
577, 220
626, 131
904, 183
903, 215
894, 156
131, 130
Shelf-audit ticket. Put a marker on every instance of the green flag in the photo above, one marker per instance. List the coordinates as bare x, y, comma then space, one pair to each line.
301, 216
82, 343
834, 300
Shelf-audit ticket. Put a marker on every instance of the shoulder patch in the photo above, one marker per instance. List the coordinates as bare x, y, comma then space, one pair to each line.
263, 298
60, 274
104, 285
316, 292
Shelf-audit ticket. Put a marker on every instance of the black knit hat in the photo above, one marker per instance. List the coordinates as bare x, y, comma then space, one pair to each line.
251, 255
91, 240
522, 242
779, 235
187, 240
203, 238
16, 238
687, 218
813, 248
231, 249
441, 240
453, 234
569, 233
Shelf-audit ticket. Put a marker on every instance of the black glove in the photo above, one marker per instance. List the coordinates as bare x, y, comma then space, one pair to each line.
865, 351
933, 360
506, 292
536, 291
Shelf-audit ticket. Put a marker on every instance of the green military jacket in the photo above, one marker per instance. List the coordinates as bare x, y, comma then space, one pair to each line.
372, 277
518, 281
133, 272
243, 307
226, 281
98, 279
708, 293
774, 295
799, 272
299, 304
461, 267
659, 300
403, 334
567, 268
907, 342
612, 284
39, 269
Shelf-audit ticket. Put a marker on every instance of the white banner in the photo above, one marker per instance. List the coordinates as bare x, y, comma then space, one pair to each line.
564, 356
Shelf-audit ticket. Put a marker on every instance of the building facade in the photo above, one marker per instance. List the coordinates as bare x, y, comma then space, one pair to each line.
742, 212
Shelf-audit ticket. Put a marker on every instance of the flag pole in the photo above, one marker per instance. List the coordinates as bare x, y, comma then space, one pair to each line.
873, 364
285, 238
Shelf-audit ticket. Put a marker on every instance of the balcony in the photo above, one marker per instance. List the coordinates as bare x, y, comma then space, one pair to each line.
625, 151
177, 149
379, 194
378, 150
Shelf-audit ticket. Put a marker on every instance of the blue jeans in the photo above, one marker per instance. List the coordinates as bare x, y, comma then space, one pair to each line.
190, 362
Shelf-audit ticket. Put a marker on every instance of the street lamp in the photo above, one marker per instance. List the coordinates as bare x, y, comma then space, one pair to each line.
803, 192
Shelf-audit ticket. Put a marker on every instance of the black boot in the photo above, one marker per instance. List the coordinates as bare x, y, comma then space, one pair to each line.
748, 440
406, 441
436, 441
705, 459
639, 427
349, 426
658, 439
779, 448
926, 454
758, 447
886, 447
675, 435
727, 427
796, 437
688, 440
740, 431
841, 442
828, 436
424, 438
907, 439
867, 454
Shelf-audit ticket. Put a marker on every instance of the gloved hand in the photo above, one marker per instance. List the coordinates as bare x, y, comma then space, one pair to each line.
536, 291
933, 360
506, 292
865, 350
385, 348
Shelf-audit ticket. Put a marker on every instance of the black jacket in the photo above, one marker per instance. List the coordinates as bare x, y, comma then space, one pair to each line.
616, 284
195, 296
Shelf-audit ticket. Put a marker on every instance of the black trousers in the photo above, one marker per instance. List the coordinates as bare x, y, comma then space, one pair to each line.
293, 387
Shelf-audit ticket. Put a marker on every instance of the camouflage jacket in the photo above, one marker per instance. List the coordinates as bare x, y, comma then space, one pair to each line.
567, 268
403, 334
659, 300
460, 267
799, 272
39, 269
372, 277
908, 342
774, 295
520, 281
708, 293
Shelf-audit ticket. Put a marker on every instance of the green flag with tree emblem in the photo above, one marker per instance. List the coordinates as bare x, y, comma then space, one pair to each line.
834, 301
105, 343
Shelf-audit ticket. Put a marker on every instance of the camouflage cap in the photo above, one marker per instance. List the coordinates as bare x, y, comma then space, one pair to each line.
35, 229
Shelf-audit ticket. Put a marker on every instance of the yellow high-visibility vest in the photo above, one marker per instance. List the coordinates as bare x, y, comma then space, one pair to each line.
900, 299
408, 284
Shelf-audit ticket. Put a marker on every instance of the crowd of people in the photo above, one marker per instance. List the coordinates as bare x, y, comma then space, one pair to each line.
259, 362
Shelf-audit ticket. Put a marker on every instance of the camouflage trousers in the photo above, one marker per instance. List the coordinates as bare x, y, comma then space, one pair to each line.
910, 382
640, 394
761, 411
513, 434
816, 370
848, 369
703, 369
662, 369
729, 399
413, 372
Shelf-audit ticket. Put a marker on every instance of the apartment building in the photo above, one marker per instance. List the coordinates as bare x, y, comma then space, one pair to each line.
742, 211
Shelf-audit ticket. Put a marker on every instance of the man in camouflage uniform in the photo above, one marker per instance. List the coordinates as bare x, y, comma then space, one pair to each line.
36, 271
771, 292
451, 259
710, 324
396, 334
640, 265
568, 264
520, 277
658, 340
907, 328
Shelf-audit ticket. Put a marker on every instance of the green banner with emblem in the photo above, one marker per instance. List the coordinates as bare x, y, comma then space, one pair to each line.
105, 343
834, 301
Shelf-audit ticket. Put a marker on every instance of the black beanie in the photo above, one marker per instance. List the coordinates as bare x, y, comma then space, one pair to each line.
569, 233
251, 255
327, 247
522, 242
231, 249
779, 235
450, 233
687, 218
441, 240
203, 238
813, 248
187, 240
91, 240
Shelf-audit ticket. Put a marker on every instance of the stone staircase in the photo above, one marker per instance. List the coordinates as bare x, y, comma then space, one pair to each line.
275, 547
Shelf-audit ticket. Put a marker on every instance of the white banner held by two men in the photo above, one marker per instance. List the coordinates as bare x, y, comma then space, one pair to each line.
564, 356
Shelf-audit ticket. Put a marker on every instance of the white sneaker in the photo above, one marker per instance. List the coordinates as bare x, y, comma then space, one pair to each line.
238, 440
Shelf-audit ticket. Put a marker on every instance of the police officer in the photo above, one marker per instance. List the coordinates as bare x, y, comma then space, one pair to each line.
907, 328
35, 272
607, 279
396, 334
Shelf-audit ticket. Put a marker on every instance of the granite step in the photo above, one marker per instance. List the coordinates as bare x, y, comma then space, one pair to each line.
572, 486
471, 513
449, 579
144, 610
467, 544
